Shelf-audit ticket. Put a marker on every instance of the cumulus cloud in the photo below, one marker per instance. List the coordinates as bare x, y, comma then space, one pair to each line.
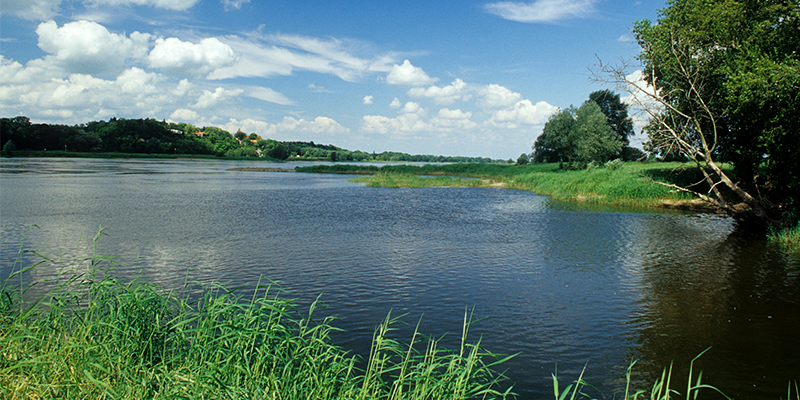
184, 115
367, 99
210, 99
453, 114
442, 95
396, 103
290, 127
174, 56
167, 4
88, 47
524, 112
541, 10
496, 96
409, 75
31, 9
402, 124
412, 107
82, 97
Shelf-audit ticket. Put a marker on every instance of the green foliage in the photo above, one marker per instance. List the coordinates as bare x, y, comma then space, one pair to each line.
279, 151
616, 113
9, 147
522, 159
742, 62
577, 137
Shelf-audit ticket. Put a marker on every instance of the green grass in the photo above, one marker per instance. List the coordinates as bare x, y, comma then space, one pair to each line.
629, 184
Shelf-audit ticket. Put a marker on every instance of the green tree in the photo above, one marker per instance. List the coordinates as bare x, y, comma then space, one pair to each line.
240, 136
724, 84
9, 147
279, 151
616, 113
522, 159
577, 137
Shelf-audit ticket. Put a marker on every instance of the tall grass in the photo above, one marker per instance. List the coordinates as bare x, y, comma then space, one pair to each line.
626, 184
662, 388
94, 336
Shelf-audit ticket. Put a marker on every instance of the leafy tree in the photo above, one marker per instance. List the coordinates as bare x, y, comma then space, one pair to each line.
240, 136
616, 113
724, 84
577, 136
522, 159
280, 152
9, 147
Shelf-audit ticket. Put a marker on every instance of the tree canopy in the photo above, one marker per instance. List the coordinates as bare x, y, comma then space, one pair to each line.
577, 136
727, 79
616, 112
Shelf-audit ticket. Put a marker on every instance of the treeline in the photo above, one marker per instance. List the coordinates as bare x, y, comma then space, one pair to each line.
151, 136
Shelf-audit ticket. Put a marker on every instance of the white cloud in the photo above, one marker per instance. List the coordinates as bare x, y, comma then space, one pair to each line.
454, 114
496, 96
269, 95
184, 115
316, 88
367, 99
177, 57
167, 4
231, 4
442, 95
409, 75
402, 124
88, 47
541, 10
31, 9
210, 99
412, 108
524, 112
283, 54
290, 128
626, 39
396, 103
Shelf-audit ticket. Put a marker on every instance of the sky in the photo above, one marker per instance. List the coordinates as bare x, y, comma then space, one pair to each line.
457, 78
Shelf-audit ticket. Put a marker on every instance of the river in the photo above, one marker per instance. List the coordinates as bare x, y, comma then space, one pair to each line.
565, 285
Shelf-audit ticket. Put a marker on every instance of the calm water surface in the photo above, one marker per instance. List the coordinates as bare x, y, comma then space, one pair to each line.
561, 284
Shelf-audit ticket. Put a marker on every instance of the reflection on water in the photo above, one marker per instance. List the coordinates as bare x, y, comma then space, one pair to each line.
558, 283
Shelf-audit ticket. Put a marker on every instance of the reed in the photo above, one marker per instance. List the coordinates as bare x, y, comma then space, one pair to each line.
94, 336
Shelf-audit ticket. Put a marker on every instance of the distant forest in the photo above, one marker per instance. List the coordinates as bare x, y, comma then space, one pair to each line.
152, 136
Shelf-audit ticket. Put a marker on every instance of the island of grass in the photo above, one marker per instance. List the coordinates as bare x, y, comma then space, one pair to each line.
617, 183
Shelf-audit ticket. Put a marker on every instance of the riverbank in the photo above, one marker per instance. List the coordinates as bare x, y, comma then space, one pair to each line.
631, 184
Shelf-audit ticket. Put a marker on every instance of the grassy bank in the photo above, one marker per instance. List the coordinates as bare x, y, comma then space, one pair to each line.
629, 184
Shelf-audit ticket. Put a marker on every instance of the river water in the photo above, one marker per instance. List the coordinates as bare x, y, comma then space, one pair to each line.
564, 285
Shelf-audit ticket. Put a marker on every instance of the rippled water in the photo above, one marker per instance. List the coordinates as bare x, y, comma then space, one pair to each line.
562, 284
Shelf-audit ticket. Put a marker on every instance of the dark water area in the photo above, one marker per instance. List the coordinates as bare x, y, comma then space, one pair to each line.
564, 285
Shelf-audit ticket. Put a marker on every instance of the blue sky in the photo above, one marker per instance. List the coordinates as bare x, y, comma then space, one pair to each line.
473, 78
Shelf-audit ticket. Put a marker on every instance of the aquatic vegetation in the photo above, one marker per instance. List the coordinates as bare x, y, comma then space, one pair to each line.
94, 336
